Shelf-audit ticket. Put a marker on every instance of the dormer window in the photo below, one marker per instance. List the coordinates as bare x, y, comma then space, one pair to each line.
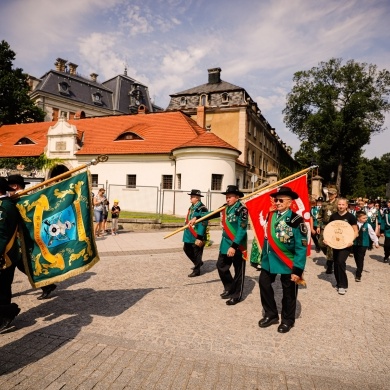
64, 88
203, 100
128, 136
183, 101
97, 98
25, 141
225, 98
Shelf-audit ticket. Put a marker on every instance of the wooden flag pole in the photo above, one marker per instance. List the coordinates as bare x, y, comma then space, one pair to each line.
100, 158
273, 185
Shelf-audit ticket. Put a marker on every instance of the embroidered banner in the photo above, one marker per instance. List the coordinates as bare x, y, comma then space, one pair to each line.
57, 235
259, 207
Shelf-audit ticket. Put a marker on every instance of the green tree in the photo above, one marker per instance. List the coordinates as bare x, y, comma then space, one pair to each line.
337, 108
15, 103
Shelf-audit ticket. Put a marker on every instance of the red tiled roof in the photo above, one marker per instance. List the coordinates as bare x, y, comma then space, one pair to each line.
160, 133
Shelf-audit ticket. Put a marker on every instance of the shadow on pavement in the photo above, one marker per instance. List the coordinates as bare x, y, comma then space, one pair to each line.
79, 307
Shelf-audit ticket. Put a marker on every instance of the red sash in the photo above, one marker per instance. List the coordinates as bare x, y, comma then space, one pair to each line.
190, 228
230, 231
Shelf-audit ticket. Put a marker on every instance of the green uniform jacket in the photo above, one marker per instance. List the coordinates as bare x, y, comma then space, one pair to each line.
197, 210
9, 218
291, 231
237, 215
385, 223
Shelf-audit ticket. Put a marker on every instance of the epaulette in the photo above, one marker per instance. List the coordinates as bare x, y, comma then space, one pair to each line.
202, 208
295, 221
239, 209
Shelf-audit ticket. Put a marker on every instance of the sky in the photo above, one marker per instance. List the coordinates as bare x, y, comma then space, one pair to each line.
168, 45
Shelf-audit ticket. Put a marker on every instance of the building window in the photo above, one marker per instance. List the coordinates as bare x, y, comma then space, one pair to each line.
95, 180
178, 181
253, 158
216, 182
183, 101
63, 88
254, 132
225, 98
167, 182
64, 114
203, 100
131, 181
97, 98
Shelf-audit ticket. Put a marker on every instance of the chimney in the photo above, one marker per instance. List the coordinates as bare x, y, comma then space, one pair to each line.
201, 116
60, 64
72, 68
94, 76
214, 75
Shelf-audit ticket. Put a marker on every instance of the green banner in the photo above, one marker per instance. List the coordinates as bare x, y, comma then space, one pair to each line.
57, 235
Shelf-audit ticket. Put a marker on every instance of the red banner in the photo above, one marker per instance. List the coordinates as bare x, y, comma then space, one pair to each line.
259, 207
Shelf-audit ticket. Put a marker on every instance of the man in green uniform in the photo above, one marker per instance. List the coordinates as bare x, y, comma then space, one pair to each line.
9, 255
328, 208
385, 231
233, 246
194, 236
284, 253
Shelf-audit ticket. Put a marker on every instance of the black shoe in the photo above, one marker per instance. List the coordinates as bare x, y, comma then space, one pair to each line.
47, 290
329, 271
233, 301
6, 322
268, 321
194, 273
357, 279
386, 260
225, 295
284, 328
201, 263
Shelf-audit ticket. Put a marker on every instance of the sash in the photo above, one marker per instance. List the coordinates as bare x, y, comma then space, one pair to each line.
9, 245
283, 253
231, 232
190, 228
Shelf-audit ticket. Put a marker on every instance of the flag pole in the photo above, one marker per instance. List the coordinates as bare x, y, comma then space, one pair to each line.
100, 158
277, 183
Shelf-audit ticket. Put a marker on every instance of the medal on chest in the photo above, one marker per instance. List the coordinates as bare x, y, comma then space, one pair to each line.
283, 231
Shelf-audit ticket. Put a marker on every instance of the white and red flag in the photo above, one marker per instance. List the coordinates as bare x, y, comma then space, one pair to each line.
261, 205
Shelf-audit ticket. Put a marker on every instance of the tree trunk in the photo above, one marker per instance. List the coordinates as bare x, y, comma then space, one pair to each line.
338, 179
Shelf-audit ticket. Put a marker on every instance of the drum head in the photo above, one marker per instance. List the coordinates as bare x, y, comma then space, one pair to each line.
338, 234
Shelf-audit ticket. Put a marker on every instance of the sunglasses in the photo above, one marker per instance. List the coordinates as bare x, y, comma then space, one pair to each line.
279, 200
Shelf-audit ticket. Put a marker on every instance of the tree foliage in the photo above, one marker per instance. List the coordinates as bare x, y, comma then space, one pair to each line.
335, 109
15, 103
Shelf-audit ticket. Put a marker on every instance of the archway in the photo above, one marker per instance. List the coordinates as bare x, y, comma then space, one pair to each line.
58, 170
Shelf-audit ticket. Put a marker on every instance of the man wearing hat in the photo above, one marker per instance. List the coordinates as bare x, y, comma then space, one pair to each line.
328, 208
194, 236
9, 254
17, 184
284, 253
232, 249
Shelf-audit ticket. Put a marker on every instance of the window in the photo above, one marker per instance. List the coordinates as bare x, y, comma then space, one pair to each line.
64, 114
203, 100
128, 135
24, 141
178, 181
225, 98
183, 101
253, 158
166, 182
95, 180
131, 181
254, 131
216, 182
63, 88
97, 98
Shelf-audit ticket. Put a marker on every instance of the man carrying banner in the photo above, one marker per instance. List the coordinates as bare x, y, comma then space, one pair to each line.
18, 184
232, 249
9, 255
284, 253
194, 236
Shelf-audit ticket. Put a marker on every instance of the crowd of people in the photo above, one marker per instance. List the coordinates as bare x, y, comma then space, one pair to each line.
283, 250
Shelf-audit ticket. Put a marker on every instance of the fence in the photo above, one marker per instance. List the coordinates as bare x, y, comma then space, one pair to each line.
152, 199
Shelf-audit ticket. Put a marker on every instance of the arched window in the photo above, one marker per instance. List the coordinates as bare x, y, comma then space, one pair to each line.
127, 136
183, 101
203, 100
25, 141
225, 98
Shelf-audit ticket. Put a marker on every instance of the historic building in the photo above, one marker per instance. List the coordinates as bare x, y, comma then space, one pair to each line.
154, 159
228, 111
65, 93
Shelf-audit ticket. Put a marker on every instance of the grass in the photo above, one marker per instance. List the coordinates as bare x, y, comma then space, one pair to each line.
165, 218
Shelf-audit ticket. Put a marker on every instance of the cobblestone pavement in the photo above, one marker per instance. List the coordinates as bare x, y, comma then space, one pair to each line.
136, 321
